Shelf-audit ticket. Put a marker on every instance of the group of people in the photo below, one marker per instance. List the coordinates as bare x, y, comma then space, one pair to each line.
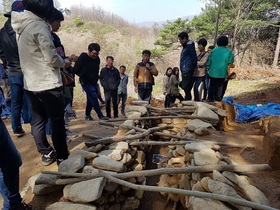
36, 64
209, 69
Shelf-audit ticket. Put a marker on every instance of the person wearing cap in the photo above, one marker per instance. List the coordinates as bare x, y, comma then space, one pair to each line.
20, 102
41, 65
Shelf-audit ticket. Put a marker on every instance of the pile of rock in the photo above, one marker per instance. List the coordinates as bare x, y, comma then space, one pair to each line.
225, 183
114, 158
207, 117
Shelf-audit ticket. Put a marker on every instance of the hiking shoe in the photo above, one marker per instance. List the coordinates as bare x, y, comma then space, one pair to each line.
58, 161
71, 134
49, 158
104, 118
20, 133
23, 206
88, 118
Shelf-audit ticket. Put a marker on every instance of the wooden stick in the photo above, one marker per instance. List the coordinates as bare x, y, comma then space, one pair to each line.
228, 199
167, 143
112, 139
158, 172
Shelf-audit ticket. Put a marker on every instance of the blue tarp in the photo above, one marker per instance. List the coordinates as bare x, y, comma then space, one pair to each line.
249, 113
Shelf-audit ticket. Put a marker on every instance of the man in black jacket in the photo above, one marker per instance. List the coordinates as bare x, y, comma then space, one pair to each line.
20, 102
87, 68
110, 80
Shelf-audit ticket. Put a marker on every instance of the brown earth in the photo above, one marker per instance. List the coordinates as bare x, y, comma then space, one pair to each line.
249, 134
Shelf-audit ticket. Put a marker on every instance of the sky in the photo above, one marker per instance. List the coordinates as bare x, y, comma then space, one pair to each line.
137, 11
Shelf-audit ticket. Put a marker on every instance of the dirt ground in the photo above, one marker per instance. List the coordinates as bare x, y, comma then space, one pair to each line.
268, 182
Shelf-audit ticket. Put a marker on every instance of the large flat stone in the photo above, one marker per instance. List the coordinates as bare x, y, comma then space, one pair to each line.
72, 165
108, 164
86, 191
205, 158
69, 206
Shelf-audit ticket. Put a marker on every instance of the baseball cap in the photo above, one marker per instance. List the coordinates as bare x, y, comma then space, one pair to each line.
17, 6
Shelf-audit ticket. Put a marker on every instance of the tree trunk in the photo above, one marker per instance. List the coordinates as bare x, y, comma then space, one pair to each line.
277, 51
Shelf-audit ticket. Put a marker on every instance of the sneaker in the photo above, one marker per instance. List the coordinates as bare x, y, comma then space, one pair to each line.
48, 159
23, 206
58, 161
71, 134
104, 118
88, 118
20, 133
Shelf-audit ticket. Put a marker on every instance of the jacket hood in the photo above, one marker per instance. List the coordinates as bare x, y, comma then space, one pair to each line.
20, 20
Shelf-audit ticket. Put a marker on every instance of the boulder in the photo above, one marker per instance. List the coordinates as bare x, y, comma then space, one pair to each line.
116, 154
236, 179
119, 145
197, 203
90, 170
133, 115
142, 109
217, 176
86, 191
203, 111
42, 189
85, 154
72, 165
205, 158
196, 123
108, 164
69, 206
255, 195
201, 146
202, 131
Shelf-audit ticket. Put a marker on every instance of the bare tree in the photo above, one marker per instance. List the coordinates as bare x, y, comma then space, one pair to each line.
277, 51
6, 5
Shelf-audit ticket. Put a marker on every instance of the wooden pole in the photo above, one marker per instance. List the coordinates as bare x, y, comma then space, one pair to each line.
112, 139
183, 170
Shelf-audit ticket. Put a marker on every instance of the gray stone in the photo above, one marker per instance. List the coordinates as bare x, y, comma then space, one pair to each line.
217, 176
197, 203
126, 158
255, 195
142, 109
196, 123
108, 164
42, 189
85, 154
133, 115
201, 146
202, 131
116, 154
236, 179
209, 106
208, 113
224, 189
119, 146
69, 206
205, 158
86, 191
131, 203
90, 170
72, 165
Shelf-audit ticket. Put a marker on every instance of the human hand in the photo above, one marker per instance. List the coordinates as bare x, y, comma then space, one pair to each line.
136, 89
74, 57
67, 63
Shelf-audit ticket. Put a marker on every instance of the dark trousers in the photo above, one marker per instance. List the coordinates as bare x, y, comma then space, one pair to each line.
216, 89
206, 86
196, 83
49, 104
187, 83
10, 161
144, 94
122, 97
172, 98
111, 95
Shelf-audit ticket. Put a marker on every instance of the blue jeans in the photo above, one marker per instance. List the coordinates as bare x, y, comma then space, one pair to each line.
20, 103
10, 161
92, 97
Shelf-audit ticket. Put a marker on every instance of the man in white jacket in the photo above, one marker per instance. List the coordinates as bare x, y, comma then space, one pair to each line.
41, 65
